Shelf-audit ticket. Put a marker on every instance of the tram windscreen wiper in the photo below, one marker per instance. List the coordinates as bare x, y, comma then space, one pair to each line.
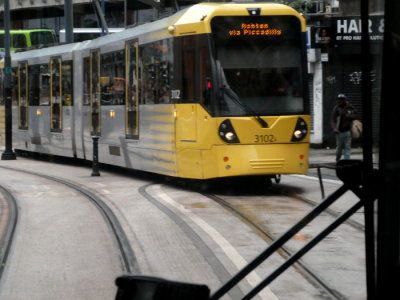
232, 95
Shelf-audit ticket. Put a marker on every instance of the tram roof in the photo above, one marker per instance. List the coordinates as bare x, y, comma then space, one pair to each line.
189, 21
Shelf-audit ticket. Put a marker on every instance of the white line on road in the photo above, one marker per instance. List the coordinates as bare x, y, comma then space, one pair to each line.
253, 279
316, 178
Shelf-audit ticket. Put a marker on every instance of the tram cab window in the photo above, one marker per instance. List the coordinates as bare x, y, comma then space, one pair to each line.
112, 78
156, 61
260, 74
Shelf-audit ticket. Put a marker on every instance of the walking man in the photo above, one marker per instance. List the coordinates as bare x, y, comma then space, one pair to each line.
342, 118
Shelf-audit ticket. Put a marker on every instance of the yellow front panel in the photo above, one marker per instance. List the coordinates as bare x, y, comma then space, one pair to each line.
239, 160
186, 118
202, 154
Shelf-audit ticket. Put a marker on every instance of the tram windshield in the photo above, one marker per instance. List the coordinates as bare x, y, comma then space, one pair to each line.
259, 65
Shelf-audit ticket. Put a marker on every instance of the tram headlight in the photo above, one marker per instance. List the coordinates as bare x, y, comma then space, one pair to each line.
298, 134
227, 132
300, 131
230, 136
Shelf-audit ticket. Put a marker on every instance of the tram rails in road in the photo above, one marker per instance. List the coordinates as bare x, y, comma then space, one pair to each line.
302, 268
268, 216
128, 258
155, 225
287, 190
8, 223
43, 256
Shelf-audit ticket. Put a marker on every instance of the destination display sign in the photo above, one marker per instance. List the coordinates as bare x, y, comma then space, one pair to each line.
254, 29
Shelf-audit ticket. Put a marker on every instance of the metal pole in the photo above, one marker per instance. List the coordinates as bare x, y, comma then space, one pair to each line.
100, 12
368, 186
95, 164
69, 21
8, 153
125, 14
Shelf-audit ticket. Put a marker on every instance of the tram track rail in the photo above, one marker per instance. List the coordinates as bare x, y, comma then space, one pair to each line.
7, 234
128, 259
310, 275
332, 212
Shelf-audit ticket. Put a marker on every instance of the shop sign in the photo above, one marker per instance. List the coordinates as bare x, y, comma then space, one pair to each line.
348, 29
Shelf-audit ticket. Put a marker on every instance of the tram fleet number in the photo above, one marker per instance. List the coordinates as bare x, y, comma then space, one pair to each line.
264, 138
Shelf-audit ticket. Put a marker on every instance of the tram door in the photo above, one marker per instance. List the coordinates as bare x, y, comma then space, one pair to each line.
95, 92
23, 95
132, 90
55, 95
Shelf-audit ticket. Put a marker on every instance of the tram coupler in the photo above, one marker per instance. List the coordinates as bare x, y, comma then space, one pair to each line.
95, 162
136, 287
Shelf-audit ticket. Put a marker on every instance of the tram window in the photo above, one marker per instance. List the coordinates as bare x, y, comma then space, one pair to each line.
23, 95
19, 41
14, 84
112, 80
95, 92
66, 73
196, 74
1, 88
205, 76
86, 81
188, 74
156, 68
44, 84
34, 85
56, 103
132, 99
188, 68
263, 73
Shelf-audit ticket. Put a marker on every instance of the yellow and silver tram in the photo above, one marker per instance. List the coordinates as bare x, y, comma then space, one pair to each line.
216, 90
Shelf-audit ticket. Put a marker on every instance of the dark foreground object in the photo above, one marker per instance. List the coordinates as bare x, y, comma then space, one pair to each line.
132, 287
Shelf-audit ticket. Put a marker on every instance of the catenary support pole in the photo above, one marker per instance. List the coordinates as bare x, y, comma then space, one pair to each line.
8, 153
69, 21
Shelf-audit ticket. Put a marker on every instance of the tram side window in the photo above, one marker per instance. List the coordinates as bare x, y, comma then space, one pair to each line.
66, 82
1, 88
56, 103
19, 41
188, 68
44, 84
156, 61
196, 74
112, 80
86, 81
34, 85
205, 77
14, 84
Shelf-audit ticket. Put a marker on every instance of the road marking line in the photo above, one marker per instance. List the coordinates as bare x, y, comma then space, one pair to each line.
317, 179
253, 279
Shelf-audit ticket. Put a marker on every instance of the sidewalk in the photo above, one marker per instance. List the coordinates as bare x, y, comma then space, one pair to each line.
323, 156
